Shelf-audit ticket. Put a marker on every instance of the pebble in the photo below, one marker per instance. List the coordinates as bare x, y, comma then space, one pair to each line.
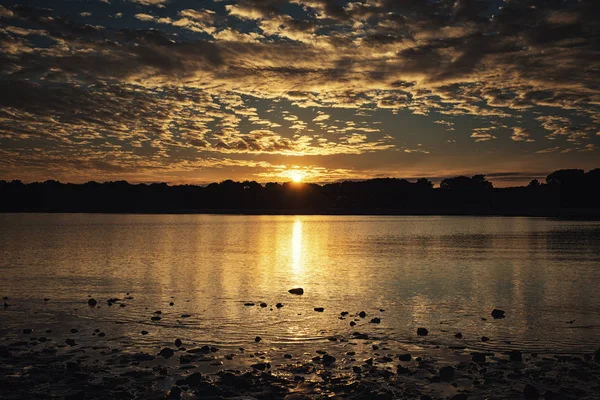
70, 342
278, 305
422, 332
263, 305
375, 321
362, 314
92, 302
458, 335
404, 357
166, 353
27, 331
296, 291
144, 332
178, 342
327, 359
498, 314
257, 339
319, 309
485, 338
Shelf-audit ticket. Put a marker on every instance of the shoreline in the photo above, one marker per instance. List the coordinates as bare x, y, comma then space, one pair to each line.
93, 362
577, 214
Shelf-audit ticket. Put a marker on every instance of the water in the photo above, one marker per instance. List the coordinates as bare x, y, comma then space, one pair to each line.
443, 273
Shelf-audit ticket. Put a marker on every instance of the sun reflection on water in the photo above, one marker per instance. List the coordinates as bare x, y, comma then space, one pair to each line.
297, 262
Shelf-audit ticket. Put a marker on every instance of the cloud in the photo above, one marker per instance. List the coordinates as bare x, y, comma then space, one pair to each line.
521, 135
482, 135
158, 3
187, 80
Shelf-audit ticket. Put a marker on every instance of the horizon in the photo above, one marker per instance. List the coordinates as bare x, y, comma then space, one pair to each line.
435, 180
196, 92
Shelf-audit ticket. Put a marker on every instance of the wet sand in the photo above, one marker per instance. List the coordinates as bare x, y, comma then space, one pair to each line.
92, 363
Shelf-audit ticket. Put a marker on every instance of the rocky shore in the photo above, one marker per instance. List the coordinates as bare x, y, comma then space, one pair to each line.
88, 363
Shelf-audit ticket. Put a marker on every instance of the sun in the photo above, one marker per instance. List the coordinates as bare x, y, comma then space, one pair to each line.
296, 176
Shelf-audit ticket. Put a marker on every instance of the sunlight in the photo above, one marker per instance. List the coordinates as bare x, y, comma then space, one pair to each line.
297, 176
297, 246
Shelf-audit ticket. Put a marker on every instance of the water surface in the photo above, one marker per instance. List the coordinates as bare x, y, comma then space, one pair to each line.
443, 273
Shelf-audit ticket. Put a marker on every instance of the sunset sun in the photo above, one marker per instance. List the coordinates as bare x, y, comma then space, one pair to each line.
297, 176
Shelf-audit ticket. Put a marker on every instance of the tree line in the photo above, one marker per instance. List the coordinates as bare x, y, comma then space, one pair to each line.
567, 189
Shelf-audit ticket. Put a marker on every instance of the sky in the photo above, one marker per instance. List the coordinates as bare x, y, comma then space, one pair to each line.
189, 91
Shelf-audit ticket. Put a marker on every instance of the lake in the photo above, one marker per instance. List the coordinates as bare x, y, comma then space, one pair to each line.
442, 273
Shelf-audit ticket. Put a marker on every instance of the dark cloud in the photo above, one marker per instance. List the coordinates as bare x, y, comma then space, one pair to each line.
181, 81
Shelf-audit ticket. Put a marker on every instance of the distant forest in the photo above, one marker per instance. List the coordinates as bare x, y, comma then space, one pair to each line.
568, 192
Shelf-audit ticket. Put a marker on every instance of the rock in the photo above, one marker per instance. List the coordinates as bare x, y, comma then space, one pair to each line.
178, 342
327, 359
296, 291
458, 335
249, 304
171, 304
144, 332
375, 321
166, 353
485, 339
319, 309
344, 313
174, 393
185, 315
375, 347
422, 332
257, 339
478, 357
278, 305
352, 323
497, 314
194, 379
70, 342
531, 392
74, 330
362, 314
404, 357
402, 370
446, 373
263, 305
101, 334
261, 366
92, 302
358, 335
516, 356
288, 356
27, 331
155, 318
